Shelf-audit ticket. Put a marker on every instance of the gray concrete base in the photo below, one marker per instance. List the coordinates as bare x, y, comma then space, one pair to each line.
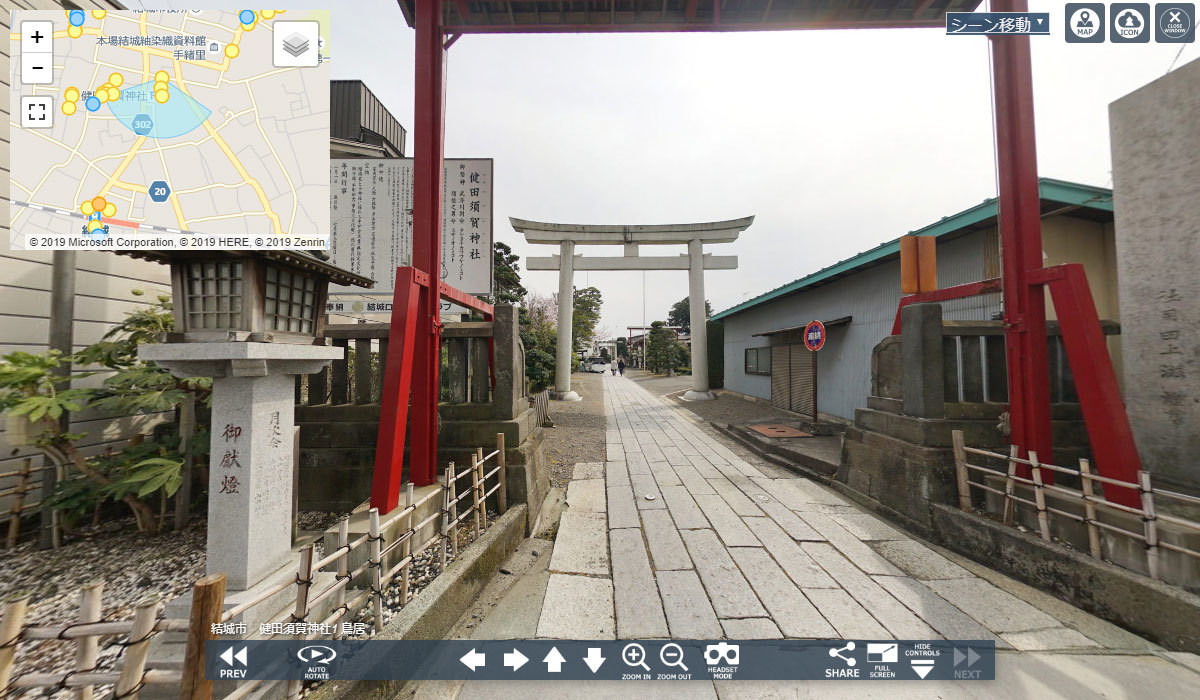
699, 396
565, 396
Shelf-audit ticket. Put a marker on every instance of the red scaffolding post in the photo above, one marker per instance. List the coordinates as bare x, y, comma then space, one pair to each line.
1020, 223
429, 119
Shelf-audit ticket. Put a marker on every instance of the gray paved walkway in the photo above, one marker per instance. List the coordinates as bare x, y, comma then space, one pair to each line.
677, 536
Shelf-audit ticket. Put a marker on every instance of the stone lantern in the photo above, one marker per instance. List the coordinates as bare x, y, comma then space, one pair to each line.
251, 320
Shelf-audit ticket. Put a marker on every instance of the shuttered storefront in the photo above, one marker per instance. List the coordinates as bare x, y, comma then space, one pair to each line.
793, 378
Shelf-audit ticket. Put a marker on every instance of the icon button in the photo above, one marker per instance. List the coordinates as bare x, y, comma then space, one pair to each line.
37, 111
594, 659
634, 654
229, 656
883, 653
515, 659
296, 43
37, 68
1130, 23
1175, 23
970, 657
672, 655
474, 659
722, 653
1085, 22
37, 37
554, 661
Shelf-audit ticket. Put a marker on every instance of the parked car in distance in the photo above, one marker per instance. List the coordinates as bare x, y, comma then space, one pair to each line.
595, 364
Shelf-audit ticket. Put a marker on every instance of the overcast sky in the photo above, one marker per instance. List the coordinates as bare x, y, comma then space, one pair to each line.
835, 141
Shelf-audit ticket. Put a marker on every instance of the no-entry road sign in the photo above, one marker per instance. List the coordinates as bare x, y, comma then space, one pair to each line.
814, 335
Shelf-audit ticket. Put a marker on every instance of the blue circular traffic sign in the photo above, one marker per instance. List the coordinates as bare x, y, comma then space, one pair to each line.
814, 335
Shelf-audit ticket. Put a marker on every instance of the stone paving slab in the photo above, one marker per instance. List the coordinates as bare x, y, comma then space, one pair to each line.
683, 508
588, 470
586, 495
704, 467
728, 590
664, 474
621, 510
577, 607
689, 614
799, 567
854, 549
738, 501
581, 546
891, 613
616, 474
645, 485
690, 477
666, 548
850, 619
865, 526
751, 628
919, 561
728, 525
949, 621
635, 593
995, 609
1055, 638
791, 611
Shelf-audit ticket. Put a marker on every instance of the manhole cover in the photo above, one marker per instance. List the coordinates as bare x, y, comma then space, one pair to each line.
776, 430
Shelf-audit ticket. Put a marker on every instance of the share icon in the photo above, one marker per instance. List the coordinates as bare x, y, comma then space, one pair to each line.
850, 660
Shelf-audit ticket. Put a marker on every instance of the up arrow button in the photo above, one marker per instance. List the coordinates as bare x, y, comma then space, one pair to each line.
554, 661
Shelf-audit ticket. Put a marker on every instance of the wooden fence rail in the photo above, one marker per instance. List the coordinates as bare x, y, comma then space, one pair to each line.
486, 476
1086, 495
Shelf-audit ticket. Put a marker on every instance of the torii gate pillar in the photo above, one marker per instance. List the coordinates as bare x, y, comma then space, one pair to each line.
699, 321
566, 307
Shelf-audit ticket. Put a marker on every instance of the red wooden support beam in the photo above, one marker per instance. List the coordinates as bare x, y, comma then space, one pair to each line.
429, 119
411, 285
957, 292
1114, 451
1021, 241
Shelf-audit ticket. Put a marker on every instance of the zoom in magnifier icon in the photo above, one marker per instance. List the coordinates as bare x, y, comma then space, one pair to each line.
634, 654
672, 655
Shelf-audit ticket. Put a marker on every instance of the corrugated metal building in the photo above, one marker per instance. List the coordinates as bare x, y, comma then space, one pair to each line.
359, 124
857, 299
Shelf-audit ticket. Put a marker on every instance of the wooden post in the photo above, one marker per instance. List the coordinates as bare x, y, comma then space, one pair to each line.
377, 566
343, 563
446, 512
10, 630
960, 471
304, 576
1010, 485
483, 489
453, 478
86, 648
502, 492
208, 604
14, 523
1089, 508
362, 370
132, 672
1150, 523
1039, 496
475, 490
406, 548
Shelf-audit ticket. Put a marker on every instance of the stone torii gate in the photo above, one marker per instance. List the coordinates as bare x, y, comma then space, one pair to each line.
695, 261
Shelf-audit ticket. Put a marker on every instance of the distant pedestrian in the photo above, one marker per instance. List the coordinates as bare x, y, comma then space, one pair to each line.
621, 367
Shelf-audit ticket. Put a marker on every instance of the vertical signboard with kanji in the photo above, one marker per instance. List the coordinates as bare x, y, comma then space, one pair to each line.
370, 219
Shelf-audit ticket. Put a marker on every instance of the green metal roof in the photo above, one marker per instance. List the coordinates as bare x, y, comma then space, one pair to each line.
1051, 191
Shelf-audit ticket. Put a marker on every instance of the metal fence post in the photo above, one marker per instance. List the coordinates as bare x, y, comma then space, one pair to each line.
1010, 485
475, 490
377, 567
406, 549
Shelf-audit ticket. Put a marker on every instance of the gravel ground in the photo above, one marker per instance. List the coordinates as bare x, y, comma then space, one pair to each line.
578, 432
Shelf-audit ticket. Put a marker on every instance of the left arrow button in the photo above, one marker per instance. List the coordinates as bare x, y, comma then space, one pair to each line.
474, 659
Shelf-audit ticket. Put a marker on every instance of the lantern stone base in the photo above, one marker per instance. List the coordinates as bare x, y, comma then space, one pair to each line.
693, 395
251, 457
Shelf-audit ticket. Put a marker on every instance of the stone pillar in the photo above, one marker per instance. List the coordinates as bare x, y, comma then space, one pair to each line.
699, 320
922, 362
481, 380
566, 306
1156, 185
508, 399
250, 479
456, 368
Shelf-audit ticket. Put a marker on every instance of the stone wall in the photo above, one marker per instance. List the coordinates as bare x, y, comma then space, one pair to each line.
1156, 175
